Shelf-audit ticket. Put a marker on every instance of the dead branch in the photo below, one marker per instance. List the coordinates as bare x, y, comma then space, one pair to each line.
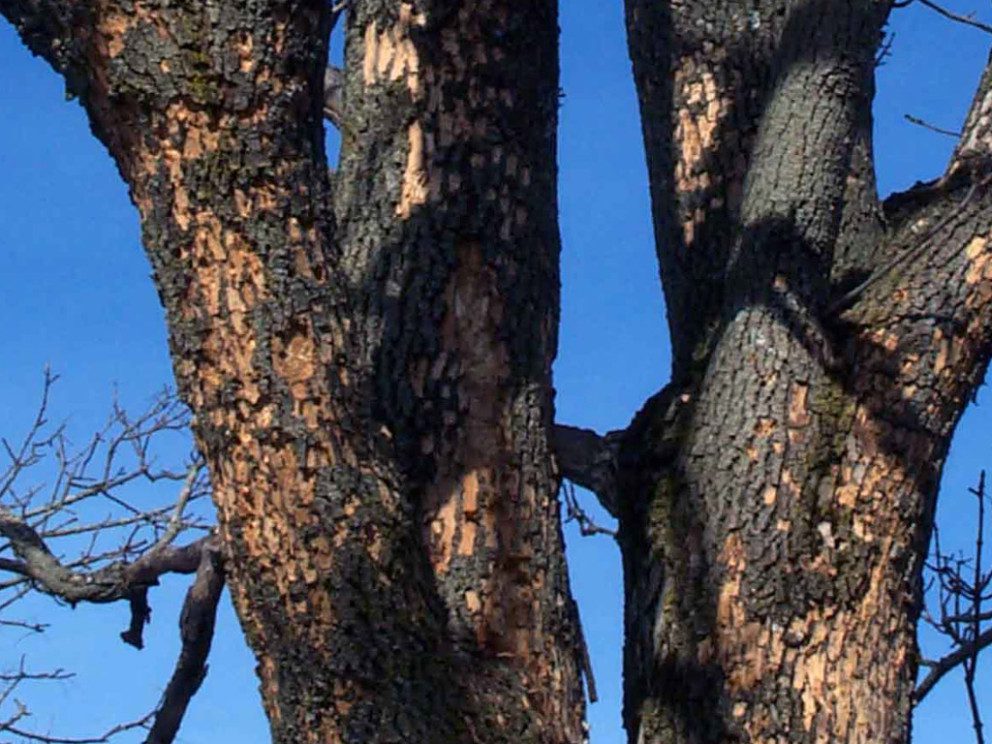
589, 460
967, 20
962, 586
196, 629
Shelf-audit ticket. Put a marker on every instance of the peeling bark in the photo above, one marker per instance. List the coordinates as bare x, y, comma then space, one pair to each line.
778, 495
369, 361
370, 376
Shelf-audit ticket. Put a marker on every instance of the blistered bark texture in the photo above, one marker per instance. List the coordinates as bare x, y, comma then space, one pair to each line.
777, 496
445, 195
367, 352
369, 370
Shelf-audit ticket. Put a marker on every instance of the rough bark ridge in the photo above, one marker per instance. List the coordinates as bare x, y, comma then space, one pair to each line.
367, 354
777, 495
369, 370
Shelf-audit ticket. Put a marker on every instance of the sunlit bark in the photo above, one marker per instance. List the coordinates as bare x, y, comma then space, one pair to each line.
367, 353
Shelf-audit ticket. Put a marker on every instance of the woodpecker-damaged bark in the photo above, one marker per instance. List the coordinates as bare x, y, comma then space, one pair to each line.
778, 494
369, 373
370, 367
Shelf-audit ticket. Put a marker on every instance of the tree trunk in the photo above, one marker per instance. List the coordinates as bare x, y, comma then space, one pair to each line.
778, 494
369, 369
367, 354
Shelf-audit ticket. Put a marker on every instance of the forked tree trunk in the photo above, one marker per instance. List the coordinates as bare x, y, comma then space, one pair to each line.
368, 352
369, 368
778, 494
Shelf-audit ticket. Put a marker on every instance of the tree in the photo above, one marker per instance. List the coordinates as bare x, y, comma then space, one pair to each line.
120, 556
367, 357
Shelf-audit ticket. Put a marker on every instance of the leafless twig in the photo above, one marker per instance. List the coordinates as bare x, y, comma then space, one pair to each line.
104, 737
968, 20
961, 587
99, 523
885, 49
575, 513
932, 127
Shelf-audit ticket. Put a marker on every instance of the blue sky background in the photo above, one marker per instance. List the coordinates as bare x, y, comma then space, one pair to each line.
76, 294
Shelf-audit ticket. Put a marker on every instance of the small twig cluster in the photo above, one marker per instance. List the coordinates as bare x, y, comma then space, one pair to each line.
960, 586
575, 513
97, 523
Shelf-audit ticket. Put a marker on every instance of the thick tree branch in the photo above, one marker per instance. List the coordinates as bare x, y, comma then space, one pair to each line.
196, 629
114, 582
908, 256
938, 236
590, 460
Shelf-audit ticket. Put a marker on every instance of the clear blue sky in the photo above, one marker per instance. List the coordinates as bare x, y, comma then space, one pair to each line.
76, 294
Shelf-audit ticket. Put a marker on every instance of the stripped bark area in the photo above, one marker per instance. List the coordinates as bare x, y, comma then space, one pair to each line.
453, 116
778, 494
369, 373
367, 354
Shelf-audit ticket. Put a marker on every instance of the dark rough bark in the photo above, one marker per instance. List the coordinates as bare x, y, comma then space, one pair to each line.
368, 352
370, 373
446, 200
778, 494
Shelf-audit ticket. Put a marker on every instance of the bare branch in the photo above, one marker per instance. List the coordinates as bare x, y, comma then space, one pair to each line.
22, 675
945, 664
961, 586
196, 628
40, 521
885, 49
932, 127
108, 584
33, 627
104, 737
970, 617
575, 513
588, 459
968, 20
978, 581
